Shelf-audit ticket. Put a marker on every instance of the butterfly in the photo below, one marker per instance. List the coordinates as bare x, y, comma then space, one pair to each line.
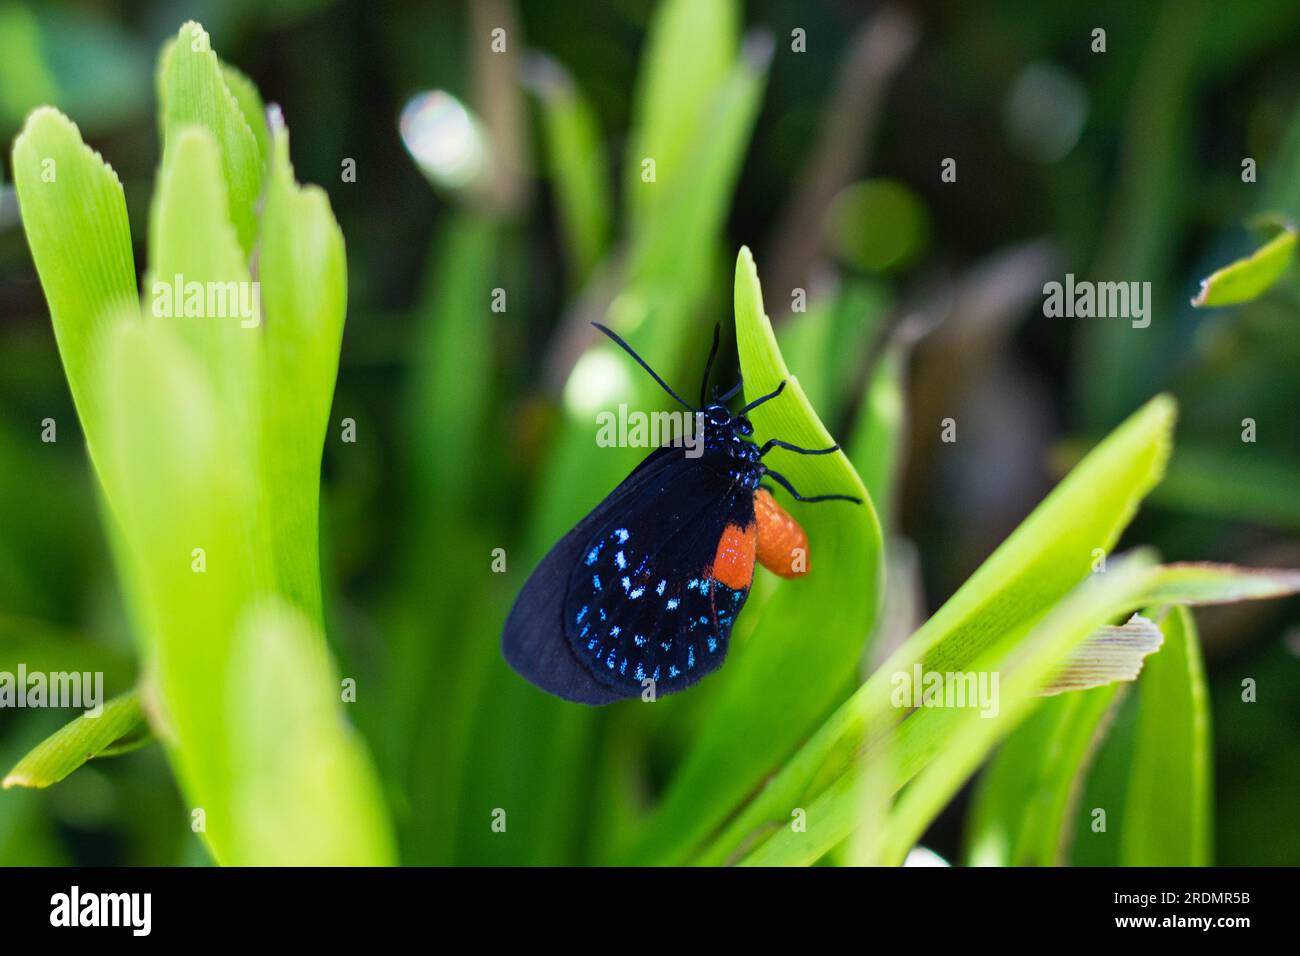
645, 590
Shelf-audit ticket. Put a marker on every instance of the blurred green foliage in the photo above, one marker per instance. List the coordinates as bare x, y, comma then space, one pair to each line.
473, 426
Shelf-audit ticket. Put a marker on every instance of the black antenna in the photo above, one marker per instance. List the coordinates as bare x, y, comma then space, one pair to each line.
708, 366
642, 362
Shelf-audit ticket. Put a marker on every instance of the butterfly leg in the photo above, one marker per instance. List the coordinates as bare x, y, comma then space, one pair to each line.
735, 390
784, 482
777, 443
763, 398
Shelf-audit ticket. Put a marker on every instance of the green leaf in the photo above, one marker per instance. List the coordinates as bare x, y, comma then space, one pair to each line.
826, 345
250, 104
85, 738
1247, 279
690, 48
450, 394
192, 243
74, 215
876, 446
1171, 755
303, 274
780, 680
934, 750
304, 792
447, 436
208, 433
165, 436
576, 164
1113, 362
192, 90
670, 254
1024, 809
1042, 560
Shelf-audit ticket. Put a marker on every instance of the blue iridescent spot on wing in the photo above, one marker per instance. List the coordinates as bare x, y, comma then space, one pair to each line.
655, 610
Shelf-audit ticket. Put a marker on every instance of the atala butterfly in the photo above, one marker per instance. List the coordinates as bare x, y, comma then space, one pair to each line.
648, 586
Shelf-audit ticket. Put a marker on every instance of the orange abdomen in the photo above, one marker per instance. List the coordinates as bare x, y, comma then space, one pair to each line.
782, 544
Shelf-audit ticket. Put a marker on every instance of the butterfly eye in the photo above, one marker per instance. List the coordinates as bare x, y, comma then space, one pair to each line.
744, 426
718, 415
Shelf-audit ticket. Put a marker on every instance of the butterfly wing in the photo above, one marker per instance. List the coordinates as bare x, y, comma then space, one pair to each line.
533, 640
647, 602
648, 586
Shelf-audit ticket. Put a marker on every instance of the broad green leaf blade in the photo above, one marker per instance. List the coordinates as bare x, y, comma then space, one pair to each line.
576, 164
304, 792
303, 274
193, 90
1049, 554
188, 561
690, 47
1247, 279
74, 215
1024, 808
198, 282
788, 673
1171, 755
85, 738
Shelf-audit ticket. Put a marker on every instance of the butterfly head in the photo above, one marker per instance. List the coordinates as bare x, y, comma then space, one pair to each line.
728, 432
718, 416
